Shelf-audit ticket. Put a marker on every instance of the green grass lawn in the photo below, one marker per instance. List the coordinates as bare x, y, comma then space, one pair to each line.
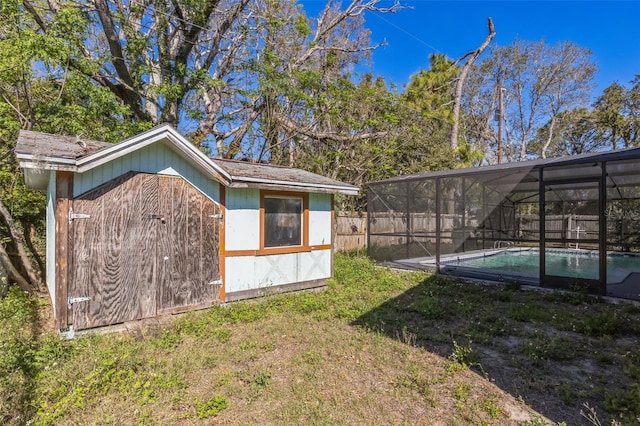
377, 347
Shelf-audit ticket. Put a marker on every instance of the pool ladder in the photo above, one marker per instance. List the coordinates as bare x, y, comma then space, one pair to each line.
498, 244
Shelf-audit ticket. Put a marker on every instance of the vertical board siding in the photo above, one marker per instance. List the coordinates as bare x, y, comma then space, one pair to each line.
164, 243
319, 219
142, 250
156, 158
249, 272
211, 227
243, 219
195, 277
175, 290
189, 254
111, 300
143, 247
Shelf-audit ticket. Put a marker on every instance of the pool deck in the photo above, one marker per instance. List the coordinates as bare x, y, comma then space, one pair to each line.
621, 283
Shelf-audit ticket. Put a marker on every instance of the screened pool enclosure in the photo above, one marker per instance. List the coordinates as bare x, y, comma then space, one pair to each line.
571, 222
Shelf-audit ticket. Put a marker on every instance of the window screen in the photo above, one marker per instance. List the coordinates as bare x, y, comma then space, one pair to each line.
282, 221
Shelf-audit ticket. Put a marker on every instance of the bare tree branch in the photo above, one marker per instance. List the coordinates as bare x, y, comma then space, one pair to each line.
19, 241
290, 126
471, 58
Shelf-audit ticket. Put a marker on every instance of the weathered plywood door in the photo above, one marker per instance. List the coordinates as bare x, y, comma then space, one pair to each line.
120, 267
188, 263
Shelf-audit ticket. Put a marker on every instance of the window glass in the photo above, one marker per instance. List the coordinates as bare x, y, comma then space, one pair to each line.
282, 221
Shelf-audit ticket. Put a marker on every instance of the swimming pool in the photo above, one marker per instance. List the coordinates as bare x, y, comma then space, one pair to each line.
565, 263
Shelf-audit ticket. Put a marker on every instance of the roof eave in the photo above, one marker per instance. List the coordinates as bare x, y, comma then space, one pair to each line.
147, 138
245, 182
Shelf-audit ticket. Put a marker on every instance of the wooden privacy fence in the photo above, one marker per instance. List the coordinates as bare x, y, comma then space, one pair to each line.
351, 228
350, 232
560, 226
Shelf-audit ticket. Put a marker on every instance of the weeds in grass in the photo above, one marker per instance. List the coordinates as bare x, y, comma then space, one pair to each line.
246, 345
311, 357
262, 379
626, 401
492, 409
223, 335
461, 392
168, 340
528, 312
461, 358
429, 307
407, 337
534, 421
232, 351
211, 407
414, 381
543, 349
608, 323
22, 354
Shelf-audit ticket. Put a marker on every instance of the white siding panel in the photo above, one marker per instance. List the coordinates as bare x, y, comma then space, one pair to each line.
156, 158
276, 270
242, 222
51, 238
249, 272
319, 219
239, 273
315, 265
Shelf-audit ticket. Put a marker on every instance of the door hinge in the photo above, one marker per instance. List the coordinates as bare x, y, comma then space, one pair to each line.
73, 300
216, 216
216, 282
73, 216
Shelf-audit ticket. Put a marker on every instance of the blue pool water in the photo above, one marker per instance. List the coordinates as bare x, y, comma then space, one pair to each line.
575, 264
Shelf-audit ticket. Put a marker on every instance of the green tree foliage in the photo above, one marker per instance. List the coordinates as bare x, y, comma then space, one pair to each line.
40, 90
225, 71
617, 113
370, 132
613, 122
256, 78
431, 93
400, 139
576, 132
540, 82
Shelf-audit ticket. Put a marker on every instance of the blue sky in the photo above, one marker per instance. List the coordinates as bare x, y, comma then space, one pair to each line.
611, 29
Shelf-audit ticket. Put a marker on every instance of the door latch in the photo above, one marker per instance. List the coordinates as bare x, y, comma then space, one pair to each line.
72, 300
157, 217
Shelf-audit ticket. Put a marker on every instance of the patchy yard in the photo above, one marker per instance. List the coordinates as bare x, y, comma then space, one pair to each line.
377, 347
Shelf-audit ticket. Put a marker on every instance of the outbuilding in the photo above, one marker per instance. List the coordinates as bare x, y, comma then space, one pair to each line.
151, 225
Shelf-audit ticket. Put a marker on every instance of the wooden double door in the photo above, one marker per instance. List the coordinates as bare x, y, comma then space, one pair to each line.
141, 245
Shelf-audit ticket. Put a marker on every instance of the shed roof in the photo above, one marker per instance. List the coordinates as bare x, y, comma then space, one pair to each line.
38, 152
244, 173
38, 144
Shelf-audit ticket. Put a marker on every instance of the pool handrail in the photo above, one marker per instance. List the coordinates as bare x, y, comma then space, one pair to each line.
498, 244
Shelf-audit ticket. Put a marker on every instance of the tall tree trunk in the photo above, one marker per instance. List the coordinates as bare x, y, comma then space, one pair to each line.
471, 58
543, 154
12, 273
29, 233
19, 241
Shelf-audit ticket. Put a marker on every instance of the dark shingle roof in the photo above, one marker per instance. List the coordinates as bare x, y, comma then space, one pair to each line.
246, 170
49, 145
43, 150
